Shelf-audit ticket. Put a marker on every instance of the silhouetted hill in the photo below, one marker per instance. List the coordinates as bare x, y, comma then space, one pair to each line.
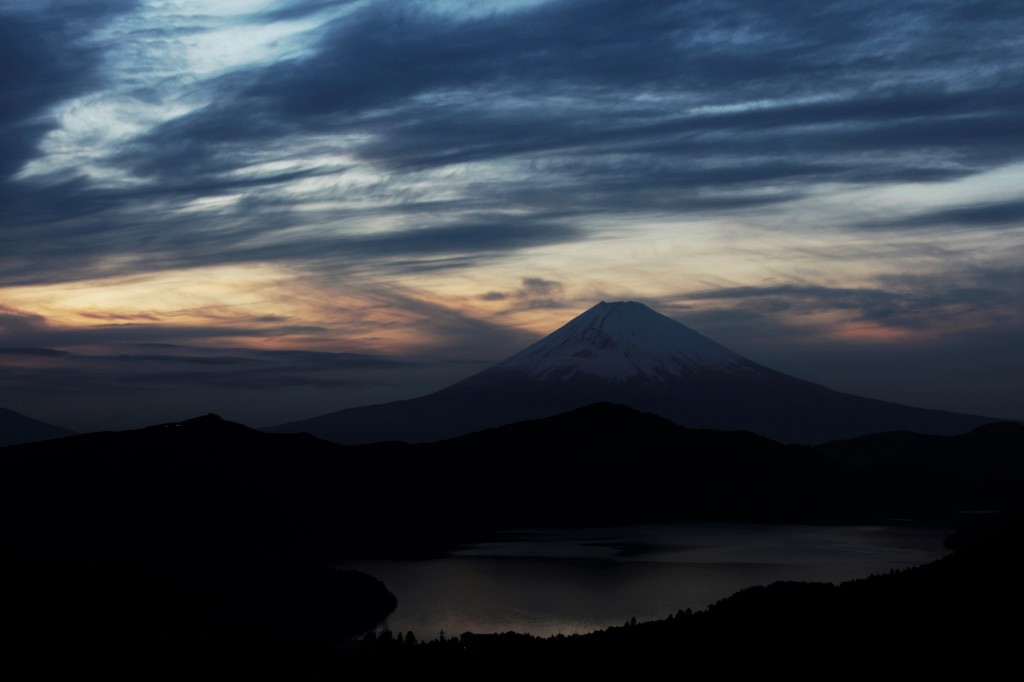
160, 551
611, 464
207, 487
628, 354
608, 464
990, 456
236, 620
204, 487
17, 428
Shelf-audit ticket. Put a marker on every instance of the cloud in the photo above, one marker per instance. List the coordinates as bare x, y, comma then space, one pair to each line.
38, 352
85, 245
19, 328
147, 333
145, 383
1005, 214
493, 296
696, 109
295, 9
446, 90
362, 144
534, 293
194, 368
922, 303
45, 62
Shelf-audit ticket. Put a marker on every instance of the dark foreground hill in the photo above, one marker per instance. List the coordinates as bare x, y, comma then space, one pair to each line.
148, 553
201, 538
183, 620
207, 487
954, 616
610, 464
203, 487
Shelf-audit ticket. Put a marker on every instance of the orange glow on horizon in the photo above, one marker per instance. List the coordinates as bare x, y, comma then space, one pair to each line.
874, 332
263, 307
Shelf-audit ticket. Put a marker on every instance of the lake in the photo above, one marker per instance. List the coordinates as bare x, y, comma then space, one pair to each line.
579, 580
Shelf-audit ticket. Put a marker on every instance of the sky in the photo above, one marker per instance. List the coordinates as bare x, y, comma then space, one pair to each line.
273, 209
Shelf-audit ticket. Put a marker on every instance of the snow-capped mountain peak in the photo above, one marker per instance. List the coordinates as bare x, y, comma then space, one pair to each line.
628, 354
623, 340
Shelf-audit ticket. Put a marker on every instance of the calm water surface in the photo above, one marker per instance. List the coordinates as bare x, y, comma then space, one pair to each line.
576, 581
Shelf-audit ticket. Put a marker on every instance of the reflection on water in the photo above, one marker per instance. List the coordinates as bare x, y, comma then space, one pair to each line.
580, 580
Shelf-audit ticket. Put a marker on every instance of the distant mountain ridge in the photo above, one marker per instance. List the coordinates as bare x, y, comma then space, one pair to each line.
627, 353
214, 489
16, 428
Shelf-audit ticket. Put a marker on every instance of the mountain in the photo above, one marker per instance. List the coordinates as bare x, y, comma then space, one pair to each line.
172, 547
16, 428
607, 464
626, 353
206, 489
989, 455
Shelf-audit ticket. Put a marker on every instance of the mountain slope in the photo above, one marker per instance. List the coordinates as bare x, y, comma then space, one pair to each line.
627, 353
16, 428
205, 488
